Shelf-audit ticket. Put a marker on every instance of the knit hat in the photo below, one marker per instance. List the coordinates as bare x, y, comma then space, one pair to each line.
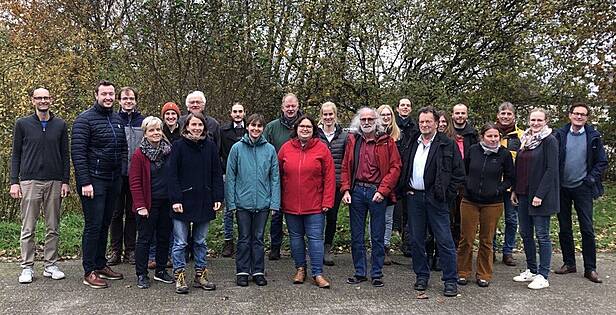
170, 106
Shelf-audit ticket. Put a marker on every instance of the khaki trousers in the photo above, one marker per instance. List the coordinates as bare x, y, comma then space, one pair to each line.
486, 217
37, 194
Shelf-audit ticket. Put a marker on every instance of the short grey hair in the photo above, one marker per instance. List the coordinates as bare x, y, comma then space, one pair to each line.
506, 106
195, 93
355, 126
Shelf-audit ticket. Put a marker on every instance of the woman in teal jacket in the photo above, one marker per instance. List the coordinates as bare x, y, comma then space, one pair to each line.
252, 189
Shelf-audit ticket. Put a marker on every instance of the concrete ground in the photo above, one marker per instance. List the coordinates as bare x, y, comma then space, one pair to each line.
567, 293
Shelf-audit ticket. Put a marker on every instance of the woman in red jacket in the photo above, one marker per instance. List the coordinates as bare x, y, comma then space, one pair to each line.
148, 187
308, 183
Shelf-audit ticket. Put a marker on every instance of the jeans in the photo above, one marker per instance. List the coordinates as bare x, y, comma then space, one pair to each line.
250, 256
311, 226
361, 205
422, 213
276, 233
511, 225
123, 226
154, 228
180, 242
331, 217
228, 224
97, 213
581, 197
389, 221
531, 226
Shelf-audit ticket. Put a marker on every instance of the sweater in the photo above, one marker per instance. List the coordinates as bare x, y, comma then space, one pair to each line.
40, 153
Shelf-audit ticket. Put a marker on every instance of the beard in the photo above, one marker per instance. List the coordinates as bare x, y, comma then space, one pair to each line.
368, 129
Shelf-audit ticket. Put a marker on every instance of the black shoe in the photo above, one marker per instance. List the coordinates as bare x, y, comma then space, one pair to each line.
421, 285
462, 281
451, 289
274, 253
143, 282
164, 277
114, 259
259, 280
483, 283
356, 280
241, 280
377, 282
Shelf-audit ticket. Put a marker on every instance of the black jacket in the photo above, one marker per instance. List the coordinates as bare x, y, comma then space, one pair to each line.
543, 181
489, 174
40, 154
336, 147
229, 135
596, 159
469, 133
98, 145
408, 131
443, 174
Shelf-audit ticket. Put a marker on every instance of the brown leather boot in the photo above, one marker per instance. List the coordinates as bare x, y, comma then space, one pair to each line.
508, 260
321, 282
300, 275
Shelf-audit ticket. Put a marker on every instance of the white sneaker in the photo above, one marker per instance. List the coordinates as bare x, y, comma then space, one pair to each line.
539, 283
525, 276
54, 272
26, 275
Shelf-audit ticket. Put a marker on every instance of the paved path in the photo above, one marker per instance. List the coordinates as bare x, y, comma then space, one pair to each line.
566, 294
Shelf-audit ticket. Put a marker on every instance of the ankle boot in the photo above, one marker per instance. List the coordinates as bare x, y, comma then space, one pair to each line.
327, 257
300, 275
228, 249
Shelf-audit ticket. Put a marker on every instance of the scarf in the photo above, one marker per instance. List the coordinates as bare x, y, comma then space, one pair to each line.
189, 136
487, 150
505, 130
156, 154
290, 122
531, 141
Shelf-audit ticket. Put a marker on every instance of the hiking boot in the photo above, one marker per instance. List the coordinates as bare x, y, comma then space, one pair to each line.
274, 253
114, 259
163, 276
94, 281
143, 282
327, 257
180, 282
53, 272
201, 280
228, 249
300, 275
26, 275
387, 259
107, 273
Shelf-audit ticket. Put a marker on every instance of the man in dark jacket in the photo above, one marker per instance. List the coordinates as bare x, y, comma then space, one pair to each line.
431, 174
582, 163
466, 136
123, 225
98, 147
40, 165
195, 103
231, 133
277, 132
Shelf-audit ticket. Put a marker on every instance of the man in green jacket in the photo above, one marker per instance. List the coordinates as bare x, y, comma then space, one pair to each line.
277, 132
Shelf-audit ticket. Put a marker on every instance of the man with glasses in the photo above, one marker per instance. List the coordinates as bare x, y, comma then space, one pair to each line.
231, 133
195, 103
39, 177
582, 161
432, 173
369, 174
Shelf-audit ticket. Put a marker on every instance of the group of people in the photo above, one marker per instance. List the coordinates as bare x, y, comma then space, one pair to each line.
158, 182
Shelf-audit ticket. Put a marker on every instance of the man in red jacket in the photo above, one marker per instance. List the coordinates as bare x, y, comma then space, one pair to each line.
370, 170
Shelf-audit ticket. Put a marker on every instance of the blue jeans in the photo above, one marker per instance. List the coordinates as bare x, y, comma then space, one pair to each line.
97, 213
531, 226
581, 198
250, 257
511, 225
421, 214
311, 226
228, 224
361, 205
180, 241
276, 229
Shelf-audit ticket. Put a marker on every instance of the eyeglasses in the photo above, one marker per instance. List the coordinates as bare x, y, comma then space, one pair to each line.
41, 98
385, 114
366, 120
579, 114
127, 98
305, 126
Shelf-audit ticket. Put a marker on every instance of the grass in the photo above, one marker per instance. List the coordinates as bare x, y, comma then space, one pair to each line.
71, 229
